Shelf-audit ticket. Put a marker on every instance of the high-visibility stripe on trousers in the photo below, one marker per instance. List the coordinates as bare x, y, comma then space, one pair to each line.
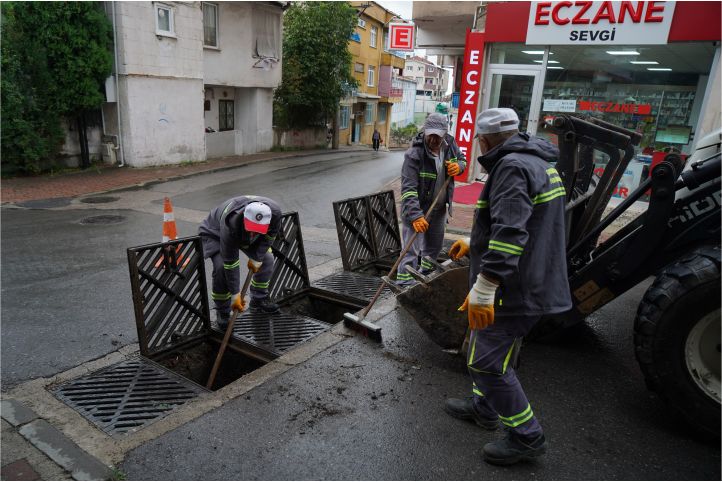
495, 387
220, 292
426, 244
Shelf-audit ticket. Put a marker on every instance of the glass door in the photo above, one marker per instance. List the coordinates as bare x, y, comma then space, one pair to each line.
518, 89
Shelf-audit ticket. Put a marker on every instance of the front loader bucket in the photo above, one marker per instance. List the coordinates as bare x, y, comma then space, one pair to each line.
434, 305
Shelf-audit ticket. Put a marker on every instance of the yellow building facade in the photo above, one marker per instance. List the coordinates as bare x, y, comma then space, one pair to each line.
368, 107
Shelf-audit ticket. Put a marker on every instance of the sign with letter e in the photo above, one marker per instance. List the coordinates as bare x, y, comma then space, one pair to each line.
401, 36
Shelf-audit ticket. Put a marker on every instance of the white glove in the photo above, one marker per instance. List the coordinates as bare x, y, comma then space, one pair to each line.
479, 303
483, 291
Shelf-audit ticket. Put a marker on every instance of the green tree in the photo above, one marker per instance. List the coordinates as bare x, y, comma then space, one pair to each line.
316, 63
55, 58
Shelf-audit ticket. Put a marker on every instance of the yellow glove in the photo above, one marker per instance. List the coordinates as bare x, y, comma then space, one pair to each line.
453, 168
480, 303
237, 303
254, 265
420, 225
459, 249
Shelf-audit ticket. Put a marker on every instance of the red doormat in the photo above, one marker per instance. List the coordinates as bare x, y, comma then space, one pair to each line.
468, 194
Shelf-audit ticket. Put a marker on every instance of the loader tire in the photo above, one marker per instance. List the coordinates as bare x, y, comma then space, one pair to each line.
677, 339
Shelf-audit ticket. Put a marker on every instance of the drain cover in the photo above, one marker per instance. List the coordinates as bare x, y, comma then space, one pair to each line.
103, 219
127, 395
351, 284
99, 199
276, 332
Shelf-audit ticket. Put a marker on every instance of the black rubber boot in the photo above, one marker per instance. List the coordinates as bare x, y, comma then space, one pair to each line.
264, 305
513, 449
222, 320
463, 409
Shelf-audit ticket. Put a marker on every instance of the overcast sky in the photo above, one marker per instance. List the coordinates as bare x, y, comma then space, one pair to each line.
399, 7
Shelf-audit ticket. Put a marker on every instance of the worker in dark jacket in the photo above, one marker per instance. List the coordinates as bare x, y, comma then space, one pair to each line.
432, 157
249, 224
518, 273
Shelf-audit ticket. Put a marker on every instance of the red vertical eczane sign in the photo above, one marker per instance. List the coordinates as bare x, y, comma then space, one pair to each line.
469, 96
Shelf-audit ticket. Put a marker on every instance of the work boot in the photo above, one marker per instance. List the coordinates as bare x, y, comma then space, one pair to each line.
264, 305
222, 320
513, 448
463, 409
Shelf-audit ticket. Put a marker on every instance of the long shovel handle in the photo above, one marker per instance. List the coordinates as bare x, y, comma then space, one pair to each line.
406, 248
227, 335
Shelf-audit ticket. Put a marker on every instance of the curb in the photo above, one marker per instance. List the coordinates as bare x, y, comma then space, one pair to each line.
53, 443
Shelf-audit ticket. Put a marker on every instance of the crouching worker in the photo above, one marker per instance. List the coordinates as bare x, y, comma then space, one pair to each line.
249, 224
432, 157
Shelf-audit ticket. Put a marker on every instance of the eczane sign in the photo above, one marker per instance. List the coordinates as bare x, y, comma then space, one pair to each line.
599, 23
401, 36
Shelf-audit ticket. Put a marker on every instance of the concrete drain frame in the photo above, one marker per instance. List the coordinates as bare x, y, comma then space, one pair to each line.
178, 343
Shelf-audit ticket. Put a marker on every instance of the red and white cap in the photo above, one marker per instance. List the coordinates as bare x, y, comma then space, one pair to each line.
257, 217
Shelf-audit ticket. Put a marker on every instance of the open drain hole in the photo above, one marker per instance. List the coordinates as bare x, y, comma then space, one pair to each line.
195, 363
103, 219
99, 199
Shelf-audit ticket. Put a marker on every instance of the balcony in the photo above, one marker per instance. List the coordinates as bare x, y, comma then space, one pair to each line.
392, 60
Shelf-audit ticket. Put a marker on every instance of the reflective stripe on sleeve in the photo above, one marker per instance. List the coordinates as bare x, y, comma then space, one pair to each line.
232, 265
220, 296
505, 247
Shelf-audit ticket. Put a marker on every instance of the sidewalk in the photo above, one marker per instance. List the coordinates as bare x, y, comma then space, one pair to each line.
108, 178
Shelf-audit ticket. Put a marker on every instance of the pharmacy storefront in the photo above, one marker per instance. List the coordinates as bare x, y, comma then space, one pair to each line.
651, 67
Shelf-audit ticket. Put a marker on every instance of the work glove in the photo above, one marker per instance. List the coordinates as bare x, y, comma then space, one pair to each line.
459, 249
453, 168
420, 225
480, 303
237, 303
253, 265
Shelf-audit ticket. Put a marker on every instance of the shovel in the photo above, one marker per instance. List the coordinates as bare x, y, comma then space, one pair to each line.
227, 336
359, 322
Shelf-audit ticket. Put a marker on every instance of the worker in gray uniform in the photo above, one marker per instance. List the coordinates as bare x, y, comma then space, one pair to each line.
432, 157
249, 224
518, 273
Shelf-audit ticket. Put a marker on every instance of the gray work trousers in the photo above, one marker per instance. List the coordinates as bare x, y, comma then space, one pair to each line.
426, 244
496, 389
220, 291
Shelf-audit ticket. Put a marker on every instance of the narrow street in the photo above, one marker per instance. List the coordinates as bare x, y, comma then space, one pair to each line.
338, 407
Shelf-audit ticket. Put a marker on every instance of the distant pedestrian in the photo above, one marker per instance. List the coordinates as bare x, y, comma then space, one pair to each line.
432, 157
249, 224
518, 252
376, 139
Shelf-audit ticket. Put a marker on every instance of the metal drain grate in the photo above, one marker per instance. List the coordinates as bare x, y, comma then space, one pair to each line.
354, 234
99, 199
351, 284
127, 395
384, 224
290, 274
276, 332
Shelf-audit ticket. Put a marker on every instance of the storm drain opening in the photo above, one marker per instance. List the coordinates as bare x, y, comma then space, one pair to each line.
103, 219
196, 361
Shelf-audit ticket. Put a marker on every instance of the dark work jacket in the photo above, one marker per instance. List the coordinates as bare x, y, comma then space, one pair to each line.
225, 225
418, 177
518, 234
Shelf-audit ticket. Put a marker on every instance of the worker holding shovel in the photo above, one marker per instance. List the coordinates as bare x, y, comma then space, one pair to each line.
518, 272
432, 157
249, 224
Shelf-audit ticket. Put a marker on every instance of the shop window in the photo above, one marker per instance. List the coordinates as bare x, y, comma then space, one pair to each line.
210, 24
164, 20
369, 114
514, 53
344, 114
225, 115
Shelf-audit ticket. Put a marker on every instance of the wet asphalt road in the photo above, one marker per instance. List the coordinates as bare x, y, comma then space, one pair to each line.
65, 285
367, 411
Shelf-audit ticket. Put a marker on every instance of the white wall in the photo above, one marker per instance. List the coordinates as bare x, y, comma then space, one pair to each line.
70, 152
232, 63
162, 120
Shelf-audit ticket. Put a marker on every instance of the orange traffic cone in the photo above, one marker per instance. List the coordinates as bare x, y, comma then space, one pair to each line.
170, 233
